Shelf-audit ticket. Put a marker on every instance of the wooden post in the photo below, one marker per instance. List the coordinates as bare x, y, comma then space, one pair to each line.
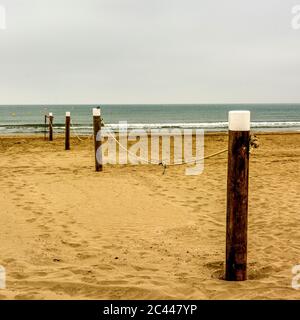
50, 126
45, 127
67, 131
237, 196
97, 137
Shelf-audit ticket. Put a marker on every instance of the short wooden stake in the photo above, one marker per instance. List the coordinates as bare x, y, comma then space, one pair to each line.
237, 196
50, 126
97, 137
67, 131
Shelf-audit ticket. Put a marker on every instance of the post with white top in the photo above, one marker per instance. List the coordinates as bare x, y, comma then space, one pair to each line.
50, 126
237, 195
67, 131
97, 136
45, 127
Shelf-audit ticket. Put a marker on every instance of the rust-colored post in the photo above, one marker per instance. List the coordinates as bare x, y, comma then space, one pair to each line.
50, 126
67, 131
45, 127
97, 138
237, 196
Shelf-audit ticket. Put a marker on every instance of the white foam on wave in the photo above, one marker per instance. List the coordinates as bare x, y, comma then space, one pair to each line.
203, 125
210, 126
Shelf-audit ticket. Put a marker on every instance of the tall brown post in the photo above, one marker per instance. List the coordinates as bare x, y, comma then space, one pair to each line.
97, 138
237, 196
50, 126
67, 132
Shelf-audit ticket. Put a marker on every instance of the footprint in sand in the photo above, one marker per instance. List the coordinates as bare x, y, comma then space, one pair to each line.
138, 268
29, 202
44, 236
82, 272
104, 267
37, 212
18, 276
84, 256
71, 244
41, 273
44, 227
171, 197
217, 269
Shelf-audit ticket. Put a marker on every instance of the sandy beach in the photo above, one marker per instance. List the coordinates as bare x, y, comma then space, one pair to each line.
131, 232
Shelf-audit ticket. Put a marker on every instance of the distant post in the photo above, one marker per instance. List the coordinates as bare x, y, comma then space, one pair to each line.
97, 136
50, 126
67, 131
237, 196
45, 127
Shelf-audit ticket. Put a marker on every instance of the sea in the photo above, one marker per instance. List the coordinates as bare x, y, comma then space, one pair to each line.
30, 119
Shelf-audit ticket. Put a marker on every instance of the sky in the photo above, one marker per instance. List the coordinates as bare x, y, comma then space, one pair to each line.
149, 51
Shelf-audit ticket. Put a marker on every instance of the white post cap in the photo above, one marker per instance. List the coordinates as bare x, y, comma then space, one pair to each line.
50, 114
239, 120
96, 112
68, 114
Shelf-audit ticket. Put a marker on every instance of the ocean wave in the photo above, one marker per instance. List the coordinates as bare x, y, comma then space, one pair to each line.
87, 129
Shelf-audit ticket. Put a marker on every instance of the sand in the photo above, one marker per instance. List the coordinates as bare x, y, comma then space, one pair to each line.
131, 232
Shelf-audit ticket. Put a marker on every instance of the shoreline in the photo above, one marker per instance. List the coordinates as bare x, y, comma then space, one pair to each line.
208, 133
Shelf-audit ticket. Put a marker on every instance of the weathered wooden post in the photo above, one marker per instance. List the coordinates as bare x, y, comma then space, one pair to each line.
97, 137
50, 126
67, 131
45, 127
237, 195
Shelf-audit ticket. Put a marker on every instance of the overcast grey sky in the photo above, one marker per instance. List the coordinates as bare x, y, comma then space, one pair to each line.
149, 51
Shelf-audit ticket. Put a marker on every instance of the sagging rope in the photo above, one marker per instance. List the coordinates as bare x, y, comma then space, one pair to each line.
253, 144
50, 124
131, 153
75, 132
72, 127
162, 163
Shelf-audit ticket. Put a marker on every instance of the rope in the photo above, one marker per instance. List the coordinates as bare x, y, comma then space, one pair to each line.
73, 128
253, 145
75, 132
206, 157
162, 162
131, 153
